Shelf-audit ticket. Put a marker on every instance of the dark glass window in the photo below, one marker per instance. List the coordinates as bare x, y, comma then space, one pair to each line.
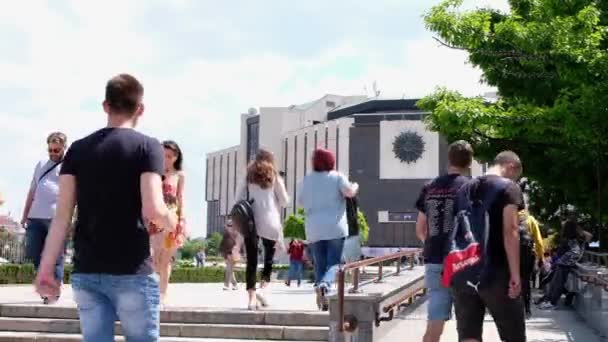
253, 139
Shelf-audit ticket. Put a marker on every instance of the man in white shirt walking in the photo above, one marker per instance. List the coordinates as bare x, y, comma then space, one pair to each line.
41, 202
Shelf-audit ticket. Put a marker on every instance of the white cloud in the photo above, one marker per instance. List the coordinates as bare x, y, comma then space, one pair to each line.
72, 51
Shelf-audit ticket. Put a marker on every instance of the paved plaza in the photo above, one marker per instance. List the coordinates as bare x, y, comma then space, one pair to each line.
547, 326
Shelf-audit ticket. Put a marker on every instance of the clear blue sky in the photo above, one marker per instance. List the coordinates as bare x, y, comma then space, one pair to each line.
202, 64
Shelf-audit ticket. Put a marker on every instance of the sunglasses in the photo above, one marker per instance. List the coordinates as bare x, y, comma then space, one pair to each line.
55, 150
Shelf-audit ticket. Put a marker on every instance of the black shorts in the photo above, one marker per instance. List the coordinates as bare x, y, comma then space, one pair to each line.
508, 313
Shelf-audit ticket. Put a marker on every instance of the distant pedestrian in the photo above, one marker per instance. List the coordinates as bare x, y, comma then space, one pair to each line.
296, 261
322, 195
200, 258
266, 188
114, 177
570, 251
435, 222
41, 203
230, 249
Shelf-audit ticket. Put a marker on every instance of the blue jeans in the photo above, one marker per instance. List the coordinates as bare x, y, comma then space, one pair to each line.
327, 255
35, 236
295, 270
133, 299
440, 298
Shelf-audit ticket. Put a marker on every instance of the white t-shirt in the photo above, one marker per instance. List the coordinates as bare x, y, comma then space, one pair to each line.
46, 190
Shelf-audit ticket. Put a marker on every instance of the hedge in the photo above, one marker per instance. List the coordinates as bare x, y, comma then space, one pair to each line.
24, 274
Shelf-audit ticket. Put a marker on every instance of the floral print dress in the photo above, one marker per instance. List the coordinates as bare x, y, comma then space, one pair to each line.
170, 239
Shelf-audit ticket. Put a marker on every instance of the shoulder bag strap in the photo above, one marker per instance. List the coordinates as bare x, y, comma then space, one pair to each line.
48, 171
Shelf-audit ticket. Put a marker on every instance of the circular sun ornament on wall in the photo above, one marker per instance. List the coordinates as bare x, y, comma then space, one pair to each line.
408, 147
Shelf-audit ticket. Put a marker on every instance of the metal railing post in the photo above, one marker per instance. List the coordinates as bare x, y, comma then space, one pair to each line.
356, 280
380, 272
341, 299
398, 266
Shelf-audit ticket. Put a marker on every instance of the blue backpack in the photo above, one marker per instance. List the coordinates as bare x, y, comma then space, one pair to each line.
467, 264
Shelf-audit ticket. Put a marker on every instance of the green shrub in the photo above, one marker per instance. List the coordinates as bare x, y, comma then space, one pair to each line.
203, 275
24, 274
185, 263
294, 227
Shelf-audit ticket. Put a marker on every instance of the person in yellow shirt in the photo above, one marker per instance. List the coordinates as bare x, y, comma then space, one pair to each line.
532, 250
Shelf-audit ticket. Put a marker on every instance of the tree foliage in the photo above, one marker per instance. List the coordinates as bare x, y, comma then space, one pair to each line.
213, 243
549, 61
191, 247
294, 227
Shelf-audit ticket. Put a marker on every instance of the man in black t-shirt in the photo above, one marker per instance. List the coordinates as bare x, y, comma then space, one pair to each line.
501, 295
435, 221
114, 177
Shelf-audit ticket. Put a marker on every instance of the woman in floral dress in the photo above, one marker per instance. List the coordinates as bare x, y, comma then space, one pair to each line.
165, 242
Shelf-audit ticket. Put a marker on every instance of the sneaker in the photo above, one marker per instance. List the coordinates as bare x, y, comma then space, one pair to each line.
324, 300
262, 300
234, 288
226, 288
546, 306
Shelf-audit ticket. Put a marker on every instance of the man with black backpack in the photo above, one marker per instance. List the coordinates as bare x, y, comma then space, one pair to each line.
434, 224
483, 265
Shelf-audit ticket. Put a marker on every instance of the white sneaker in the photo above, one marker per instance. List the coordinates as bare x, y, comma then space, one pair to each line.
235, 287
546, 306
226, 288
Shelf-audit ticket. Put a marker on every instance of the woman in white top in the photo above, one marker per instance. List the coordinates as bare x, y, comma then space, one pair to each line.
267, 190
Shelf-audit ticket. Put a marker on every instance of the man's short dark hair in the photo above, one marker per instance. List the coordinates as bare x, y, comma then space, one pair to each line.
460, 154
124, 94
508, 157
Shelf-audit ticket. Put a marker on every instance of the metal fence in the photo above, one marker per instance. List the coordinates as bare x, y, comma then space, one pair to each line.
13, 251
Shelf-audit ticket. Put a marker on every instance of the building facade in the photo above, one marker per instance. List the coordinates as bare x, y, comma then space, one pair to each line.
383, 145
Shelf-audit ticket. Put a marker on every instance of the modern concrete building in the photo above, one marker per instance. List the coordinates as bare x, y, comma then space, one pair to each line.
382, 144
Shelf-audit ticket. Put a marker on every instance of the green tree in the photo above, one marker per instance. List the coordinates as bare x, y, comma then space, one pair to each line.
213, 244
549, 61
294, 227
191, 247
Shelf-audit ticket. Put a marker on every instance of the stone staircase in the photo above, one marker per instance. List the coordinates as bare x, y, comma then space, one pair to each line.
55, 323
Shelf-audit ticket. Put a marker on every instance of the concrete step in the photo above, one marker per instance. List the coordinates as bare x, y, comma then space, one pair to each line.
235, 331
184, 315
17, 336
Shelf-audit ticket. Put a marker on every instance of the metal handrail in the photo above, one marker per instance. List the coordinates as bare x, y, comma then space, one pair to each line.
596, 257
350, 324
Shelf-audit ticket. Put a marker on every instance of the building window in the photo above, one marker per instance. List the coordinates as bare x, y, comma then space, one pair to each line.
285, 163
213, 179
234, 183
337, 147
206, 179
330, 104
305, 153
326, 137
285, 168
227, 181
295, 171
253, 141
316, 138
219, 191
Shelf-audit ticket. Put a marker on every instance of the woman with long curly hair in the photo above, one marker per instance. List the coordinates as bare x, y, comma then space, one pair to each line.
165, 241
265, 187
